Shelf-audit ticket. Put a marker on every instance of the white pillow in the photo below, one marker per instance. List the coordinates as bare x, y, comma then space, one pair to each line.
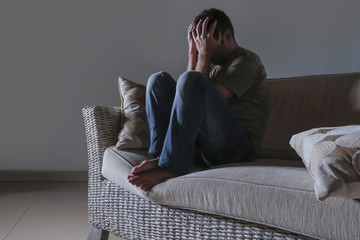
332, 156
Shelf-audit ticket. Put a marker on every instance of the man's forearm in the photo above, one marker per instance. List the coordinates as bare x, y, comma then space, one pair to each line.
203, 64
192, 60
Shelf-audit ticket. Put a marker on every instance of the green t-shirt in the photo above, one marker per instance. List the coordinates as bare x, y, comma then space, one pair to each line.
245, 76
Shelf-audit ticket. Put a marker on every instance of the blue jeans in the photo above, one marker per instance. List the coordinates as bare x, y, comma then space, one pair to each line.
192, 116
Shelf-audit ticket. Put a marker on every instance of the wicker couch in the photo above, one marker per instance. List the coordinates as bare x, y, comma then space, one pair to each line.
270, 198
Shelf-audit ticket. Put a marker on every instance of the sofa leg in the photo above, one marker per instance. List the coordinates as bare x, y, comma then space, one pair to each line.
98, 234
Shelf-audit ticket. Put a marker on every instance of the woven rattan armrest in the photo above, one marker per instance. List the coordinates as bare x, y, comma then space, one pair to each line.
102, 126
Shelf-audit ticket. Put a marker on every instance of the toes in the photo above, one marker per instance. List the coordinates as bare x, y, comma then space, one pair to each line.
145, 187
144, 166
139, 182
138, 168
134, 170
133, 179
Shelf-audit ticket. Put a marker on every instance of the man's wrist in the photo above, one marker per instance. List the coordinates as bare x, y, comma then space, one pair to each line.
192, 55
204, 57
203, 64
192, 60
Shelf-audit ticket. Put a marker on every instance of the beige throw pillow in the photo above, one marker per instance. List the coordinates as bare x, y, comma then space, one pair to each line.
332, 155
134, 132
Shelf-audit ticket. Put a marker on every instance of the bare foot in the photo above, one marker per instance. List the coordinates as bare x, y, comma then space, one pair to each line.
148, 179
146, 165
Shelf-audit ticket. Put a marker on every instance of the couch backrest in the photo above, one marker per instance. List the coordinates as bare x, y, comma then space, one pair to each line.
301, 103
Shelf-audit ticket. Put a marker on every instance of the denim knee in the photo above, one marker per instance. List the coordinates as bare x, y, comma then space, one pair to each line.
157, 80
190, 80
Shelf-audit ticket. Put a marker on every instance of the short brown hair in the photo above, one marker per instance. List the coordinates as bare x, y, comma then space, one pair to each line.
223, 21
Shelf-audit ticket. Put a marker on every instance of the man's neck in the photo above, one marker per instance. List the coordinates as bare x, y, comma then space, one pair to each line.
233, 46
230, 51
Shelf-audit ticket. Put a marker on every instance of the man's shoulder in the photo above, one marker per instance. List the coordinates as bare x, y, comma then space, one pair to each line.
242, 63
248, 57
248, 61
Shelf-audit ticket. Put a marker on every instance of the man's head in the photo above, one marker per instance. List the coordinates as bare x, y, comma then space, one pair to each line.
224, 26
223, 21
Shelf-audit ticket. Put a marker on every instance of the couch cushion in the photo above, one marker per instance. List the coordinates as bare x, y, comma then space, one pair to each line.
277, 193
297, 104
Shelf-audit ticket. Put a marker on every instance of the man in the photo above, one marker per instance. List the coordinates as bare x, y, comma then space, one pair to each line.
216, 109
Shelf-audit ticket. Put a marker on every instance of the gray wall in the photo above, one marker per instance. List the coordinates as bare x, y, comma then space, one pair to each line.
58, 56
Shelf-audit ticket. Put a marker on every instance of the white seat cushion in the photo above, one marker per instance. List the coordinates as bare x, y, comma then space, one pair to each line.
276, 193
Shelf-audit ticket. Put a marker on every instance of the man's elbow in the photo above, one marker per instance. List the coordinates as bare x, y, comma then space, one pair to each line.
224, 90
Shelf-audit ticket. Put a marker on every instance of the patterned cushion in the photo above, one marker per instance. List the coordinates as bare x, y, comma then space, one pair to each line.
134, 132
332, 155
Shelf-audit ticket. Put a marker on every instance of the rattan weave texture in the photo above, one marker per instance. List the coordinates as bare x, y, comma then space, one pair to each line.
125, 214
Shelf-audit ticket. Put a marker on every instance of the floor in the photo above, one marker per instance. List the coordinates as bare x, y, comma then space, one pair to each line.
44, 210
